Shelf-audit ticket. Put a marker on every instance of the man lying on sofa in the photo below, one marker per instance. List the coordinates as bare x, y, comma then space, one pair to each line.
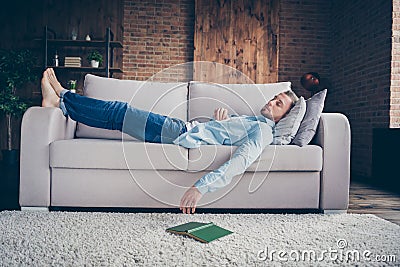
250, 133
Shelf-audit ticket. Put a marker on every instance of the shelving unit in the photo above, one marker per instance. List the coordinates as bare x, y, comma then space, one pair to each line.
108, 45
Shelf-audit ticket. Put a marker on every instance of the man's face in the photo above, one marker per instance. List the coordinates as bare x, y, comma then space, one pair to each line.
277, 107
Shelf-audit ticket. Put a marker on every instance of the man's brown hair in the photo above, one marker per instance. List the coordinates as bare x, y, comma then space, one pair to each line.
292, 96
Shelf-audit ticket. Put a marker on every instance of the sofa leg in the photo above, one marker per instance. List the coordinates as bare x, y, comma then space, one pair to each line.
334, 211
43, 209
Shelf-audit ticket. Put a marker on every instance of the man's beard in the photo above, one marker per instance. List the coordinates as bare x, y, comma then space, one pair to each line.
266, 113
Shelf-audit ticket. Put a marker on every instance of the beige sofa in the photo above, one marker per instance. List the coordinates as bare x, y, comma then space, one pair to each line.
67, 164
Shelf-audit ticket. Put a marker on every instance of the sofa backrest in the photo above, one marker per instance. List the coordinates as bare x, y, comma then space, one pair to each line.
193, 101
159, 97
240, 99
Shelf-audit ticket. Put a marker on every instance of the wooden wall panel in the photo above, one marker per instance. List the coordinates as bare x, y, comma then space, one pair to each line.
238, 34
89, 16
23, 20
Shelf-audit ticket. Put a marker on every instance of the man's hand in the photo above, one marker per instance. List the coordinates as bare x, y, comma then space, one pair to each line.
220, 114
189, 200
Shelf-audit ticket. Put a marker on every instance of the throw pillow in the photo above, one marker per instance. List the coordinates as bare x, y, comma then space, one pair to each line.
309, 125
286, 128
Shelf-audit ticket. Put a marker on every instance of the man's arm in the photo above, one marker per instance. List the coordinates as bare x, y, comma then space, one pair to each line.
243, 157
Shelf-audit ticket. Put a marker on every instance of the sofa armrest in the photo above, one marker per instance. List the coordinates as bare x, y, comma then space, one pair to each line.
40, 127
333, 135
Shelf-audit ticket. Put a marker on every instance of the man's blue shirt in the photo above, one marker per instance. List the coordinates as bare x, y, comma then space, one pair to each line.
250, 133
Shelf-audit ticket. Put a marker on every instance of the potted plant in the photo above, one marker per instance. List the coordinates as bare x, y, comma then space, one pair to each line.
95, 59
72, 85
16, 69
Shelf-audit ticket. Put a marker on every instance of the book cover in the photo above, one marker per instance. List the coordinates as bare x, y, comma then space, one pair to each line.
204, 232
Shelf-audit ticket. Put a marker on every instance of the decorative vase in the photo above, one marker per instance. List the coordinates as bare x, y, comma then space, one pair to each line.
94, 63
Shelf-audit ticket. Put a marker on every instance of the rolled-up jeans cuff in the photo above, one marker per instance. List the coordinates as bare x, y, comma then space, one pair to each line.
62, 105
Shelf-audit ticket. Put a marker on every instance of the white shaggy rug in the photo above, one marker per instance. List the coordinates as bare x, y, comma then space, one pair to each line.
137, 239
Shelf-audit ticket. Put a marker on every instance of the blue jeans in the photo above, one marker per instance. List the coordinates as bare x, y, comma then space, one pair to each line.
115, 115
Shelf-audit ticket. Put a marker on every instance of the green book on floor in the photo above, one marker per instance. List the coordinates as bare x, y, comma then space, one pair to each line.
204, 232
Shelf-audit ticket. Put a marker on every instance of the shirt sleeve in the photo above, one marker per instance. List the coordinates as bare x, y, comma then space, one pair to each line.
243, 157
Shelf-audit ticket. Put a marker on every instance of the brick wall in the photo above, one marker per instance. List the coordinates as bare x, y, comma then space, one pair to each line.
348, 43
395, 77
360, 72
304, 40
158, 34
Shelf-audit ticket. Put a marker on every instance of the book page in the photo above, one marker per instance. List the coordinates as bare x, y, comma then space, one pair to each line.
210, 233
186, 227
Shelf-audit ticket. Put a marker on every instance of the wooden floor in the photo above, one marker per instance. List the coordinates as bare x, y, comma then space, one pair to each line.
365, 198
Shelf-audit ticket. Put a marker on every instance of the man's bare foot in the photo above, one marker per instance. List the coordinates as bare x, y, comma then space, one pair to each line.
50, 99
55, 84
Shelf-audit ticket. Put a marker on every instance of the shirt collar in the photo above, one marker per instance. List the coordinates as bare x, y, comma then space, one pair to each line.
266, 120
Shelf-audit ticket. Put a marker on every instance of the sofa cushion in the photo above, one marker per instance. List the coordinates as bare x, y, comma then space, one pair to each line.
286, 129
159, 97
273, 158
115, 154
242, 99
309, 124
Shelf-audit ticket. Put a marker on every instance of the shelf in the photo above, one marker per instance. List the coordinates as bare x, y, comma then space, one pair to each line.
107, 44
86, 69
83, 43
80, 43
